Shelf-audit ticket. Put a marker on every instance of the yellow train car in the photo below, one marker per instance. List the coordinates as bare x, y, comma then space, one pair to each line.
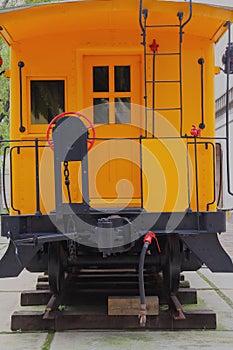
113, 137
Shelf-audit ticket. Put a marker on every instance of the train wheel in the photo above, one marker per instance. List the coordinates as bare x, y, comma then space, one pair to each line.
171, 269
55, 268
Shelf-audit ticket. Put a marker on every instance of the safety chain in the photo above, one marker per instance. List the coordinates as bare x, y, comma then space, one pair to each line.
72, 243
67, 180
72, 250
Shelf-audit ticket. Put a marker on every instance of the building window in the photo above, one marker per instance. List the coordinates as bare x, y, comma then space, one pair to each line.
47, 100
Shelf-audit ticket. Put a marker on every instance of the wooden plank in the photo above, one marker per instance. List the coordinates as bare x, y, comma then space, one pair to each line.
42, 278
35, 297
41, 297
33, 321
30, 321
187, 296
130, 305
164, 321
184, 284
42, 286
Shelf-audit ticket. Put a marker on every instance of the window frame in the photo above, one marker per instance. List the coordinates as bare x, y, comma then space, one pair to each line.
86, 61
111, 95
41, 128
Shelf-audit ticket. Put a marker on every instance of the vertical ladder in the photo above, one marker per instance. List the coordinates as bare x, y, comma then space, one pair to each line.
151, 51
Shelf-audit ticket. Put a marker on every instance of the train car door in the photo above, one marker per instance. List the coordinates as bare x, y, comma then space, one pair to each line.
112, 92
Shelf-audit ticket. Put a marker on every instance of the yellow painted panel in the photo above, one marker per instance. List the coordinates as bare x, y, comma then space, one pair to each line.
165, 176
114, 172
169, 175
24, 181
203, 188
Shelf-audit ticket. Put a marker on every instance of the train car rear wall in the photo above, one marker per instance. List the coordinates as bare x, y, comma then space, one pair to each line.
65, 44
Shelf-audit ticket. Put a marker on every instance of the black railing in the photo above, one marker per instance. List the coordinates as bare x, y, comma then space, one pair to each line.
36, 144
17, 145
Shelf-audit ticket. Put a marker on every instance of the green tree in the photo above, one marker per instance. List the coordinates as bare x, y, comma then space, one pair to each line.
36, 1
4, 92
4, 106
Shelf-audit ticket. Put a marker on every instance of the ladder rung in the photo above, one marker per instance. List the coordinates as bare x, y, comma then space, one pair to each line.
162, 81
163, 54
162, 26
164, 109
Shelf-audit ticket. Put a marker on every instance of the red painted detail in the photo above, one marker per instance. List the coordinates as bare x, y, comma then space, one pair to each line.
154, 46
195, 131
71, 114
149, 237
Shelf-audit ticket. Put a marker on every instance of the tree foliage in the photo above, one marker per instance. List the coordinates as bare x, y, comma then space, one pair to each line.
4, 82
4, 86
4, 92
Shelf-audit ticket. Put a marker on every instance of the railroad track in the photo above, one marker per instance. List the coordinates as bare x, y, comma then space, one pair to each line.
86, 298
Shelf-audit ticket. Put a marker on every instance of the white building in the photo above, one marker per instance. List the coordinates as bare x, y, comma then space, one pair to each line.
220, 127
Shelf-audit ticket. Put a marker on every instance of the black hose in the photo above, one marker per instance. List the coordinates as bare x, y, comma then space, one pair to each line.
141, 273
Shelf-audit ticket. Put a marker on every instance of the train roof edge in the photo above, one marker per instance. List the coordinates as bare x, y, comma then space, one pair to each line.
32, 5
12, 28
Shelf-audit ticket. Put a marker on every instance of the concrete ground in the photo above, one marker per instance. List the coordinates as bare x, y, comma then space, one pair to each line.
215, 291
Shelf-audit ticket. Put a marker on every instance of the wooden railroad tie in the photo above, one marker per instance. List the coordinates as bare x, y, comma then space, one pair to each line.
127, 305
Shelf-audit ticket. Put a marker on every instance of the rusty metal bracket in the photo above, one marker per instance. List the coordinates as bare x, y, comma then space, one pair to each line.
176, 308
52, 306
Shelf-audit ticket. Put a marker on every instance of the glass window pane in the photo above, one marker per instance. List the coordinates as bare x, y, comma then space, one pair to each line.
101, 110
100, 79
122, 78
122, 110
47, 100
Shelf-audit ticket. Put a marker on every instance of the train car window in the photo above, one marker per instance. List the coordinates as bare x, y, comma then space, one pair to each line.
101, 110
122, 110
111, 80
47, 100
122, 78
101, 79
